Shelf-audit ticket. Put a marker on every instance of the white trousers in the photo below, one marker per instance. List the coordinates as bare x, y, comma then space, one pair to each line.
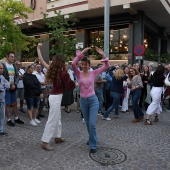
155, 106
53, 126
124, 104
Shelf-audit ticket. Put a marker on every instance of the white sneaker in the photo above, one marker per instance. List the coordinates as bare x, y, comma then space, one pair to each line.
33, 123
107, 118
82, 121
36, 120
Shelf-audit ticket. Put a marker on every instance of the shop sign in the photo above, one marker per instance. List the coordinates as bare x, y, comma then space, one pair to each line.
79, 45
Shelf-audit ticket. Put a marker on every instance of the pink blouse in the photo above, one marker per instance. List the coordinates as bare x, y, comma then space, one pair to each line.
87, 85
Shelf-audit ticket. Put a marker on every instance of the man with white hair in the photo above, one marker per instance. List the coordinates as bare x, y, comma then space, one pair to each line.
41, 78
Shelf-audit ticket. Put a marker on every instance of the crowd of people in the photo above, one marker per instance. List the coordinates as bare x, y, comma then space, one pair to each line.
97, 91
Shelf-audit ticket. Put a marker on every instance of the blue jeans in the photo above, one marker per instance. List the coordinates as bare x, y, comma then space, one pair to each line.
115, 104
89, 107
135, 99
2, 116
99, 94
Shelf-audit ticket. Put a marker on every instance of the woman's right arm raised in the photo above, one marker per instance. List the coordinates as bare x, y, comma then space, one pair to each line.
40, 56
79, 55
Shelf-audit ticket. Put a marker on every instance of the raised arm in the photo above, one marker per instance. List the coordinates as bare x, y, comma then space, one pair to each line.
40, 56
79, 55
104, 59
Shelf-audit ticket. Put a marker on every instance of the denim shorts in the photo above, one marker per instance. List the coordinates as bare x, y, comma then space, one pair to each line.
20, 94
32, 103
10, 97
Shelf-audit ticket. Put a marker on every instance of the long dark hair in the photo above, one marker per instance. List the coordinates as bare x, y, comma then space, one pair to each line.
160, 70
57, 65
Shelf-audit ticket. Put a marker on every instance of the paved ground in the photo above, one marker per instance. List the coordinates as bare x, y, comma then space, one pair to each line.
146, 147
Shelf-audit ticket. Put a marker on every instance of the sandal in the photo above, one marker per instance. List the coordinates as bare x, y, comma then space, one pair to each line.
156, 119
147, 122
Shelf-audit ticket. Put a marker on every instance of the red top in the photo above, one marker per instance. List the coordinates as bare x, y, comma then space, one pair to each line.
59, 86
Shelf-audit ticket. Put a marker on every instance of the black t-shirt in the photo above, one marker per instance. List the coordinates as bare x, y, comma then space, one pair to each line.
158, 80
145, 78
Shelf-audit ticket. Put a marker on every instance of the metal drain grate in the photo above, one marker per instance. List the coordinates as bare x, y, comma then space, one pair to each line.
108, 156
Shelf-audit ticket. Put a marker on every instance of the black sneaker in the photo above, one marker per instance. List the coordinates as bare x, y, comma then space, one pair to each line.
93, 150
87, 143
4, 133
19, 121
10, 123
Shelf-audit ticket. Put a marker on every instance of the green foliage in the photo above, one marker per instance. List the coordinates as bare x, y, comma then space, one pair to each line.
31, 53
150, 55
165, 58
63, 42
153, 56
11, 37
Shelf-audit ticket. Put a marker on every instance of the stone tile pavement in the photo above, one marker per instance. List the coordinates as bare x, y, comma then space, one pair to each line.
146, 147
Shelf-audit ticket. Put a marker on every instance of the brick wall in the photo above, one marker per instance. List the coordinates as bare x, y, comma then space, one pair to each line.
36, 15
95, 3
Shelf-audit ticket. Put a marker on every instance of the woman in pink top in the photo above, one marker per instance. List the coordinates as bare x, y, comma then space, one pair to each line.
88, 101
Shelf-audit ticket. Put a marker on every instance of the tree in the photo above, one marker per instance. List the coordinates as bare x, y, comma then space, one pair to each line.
153, 56
31, 53
150, 55
62, 42
11, 37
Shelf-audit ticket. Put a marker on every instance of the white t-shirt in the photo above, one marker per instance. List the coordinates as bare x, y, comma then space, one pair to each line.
40, 77
11, 72
70, 72
44, 70
20, 84
90, 69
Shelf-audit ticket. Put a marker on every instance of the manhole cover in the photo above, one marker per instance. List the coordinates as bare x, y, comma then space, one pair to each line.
108, 156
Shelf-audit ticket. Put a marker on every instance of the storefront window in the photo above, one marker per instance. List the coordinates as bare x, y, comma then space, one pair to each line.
97, 38
119, 39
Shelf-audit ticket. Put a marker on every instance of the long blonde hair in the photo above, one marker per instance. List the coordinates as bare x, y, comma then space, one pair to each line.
118, 74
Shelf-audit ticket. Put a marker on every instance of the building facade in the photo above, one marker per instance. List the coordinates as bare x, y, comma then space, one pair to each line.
132, 22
